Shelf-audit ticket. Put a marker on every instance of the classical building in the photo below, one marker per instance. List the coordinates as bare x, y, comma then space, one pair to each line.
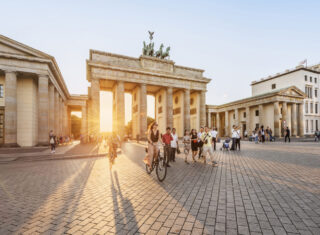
275, 109
34, 98
304, 78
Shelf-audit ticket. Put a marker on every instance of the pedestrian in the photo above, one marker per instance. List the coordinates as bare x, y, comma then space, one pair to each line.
287, 134
214, 134
187, 145
234, 136
200, 143
263, 137
194, 144
153, 147
52, 141
166, 139
238, 138
256, 136
174, 145
207, 146
316, 135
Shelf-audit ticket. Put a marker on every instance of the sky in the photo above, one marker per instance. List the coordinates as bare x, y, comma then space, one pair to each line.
235, 42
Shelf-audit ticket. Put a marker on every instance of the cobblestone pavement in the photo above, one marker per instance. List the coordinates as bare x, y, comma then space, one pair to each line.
264, 189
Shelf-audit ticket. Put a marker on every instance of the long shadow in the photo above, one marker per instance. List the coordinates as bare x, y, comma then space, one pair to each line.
34, 202
125, 218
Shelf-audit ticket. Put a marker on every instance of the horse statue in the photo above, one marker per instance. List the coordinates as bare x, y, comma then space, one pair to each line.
165, 54
159, 52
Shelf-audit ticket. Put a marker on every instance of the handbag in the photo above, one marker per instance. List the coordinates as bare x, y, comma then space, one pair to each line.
51, 140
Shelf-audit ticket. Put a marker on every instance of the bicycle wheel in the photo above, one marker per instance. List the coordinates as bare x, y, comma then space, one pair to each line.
161, 169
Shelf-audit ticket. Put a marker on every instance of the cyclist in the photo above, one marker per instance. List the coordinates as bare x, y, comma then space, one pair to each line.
113, 142
153, 140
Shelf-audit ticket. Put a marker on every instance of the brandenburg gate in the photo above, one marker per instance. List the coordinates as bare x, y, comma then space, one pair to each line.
180, 92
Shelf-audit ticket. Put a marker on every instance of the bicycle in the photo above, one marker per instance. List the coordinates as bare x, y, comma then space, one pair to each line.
161, 166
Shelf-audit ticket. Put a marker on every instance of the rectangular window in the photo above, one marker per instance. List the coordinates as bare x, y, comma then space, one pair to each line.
315, 80
1, 90
273, 86
310, 79
244, 114
311, 107
315, 92
311, 126
310, 92
306, 107
305, 77
316, 108
234, 116
257, 113
317, 127
307, 126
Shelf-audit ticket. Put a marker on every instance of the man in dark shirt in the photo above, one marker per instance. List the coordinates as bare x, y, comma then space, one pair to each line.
287, 132
166, 139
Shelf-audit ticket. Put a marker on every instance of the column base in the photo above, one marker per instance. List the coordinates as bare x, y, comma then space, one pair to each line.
11, 145
43, 143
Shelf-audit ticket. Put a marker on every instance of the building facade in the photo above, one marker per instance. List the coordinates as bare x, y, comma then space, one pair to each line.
307, 80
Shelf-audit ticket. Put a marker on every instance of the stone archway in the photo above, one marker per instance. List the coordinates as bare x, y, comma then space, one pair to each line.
142, 76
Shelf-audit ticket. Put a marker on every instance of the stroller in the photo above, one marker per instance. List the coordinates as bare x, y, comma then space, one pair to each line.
226, 145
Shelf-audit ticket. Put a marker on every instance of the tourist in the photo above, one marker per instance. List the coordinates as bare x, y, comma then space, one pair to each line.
256, 136
153, 140
316, 135
174, 145
238, 138
186, 143
287, 134
263, 138
214, 134
52, 141
234, 135
245, 134
207, 146
166, 139
200, 143
194, 144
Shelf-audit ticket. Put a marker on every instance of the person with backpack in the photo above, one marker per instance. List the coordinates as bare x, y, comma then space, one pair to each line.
52, 141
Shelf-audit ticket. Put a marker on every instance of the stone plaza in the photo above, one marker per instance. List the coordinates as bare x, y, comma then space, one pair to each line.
263, 189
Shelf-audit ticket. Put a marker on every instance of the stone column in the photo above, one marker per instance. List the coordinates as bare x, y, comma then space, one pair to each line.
209, 119
285, 113
120, 109
294, 121
218, 123
248, 121
202, 108
187, 109
301, 121
84, 126
65, 119
51, 107
10, 114
43, 110
95, 106
56, 113
236, 114
60, 116
143, 111
226, 123
276, 114
261, 114
169, 107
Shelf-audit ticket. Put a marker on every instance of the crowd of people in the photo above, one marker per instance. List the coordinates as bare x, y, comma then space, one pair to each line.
201, 144
55, 140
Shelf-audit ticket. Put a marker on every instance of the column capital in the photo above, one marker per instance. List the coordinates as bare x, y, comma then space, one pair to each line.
10, 71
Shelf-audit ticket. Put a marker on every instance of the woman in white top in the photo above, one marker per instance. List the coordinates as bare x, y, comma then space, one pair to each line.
187, 145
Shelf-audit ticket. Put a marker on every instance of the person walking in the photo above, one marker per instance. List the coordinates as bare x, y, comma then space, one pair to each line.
52, 141
238, 138
166, 139
214, 134
234, 137
187, 145
256, 136
174, 145
287, 134
263, 137
200, 143
194, 144
207, 146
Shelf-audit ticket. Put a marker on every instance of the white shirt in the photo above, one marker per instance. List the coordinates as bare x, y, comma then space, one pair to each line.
238, 134
199, 136
174, 141
234, 133
214, 133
